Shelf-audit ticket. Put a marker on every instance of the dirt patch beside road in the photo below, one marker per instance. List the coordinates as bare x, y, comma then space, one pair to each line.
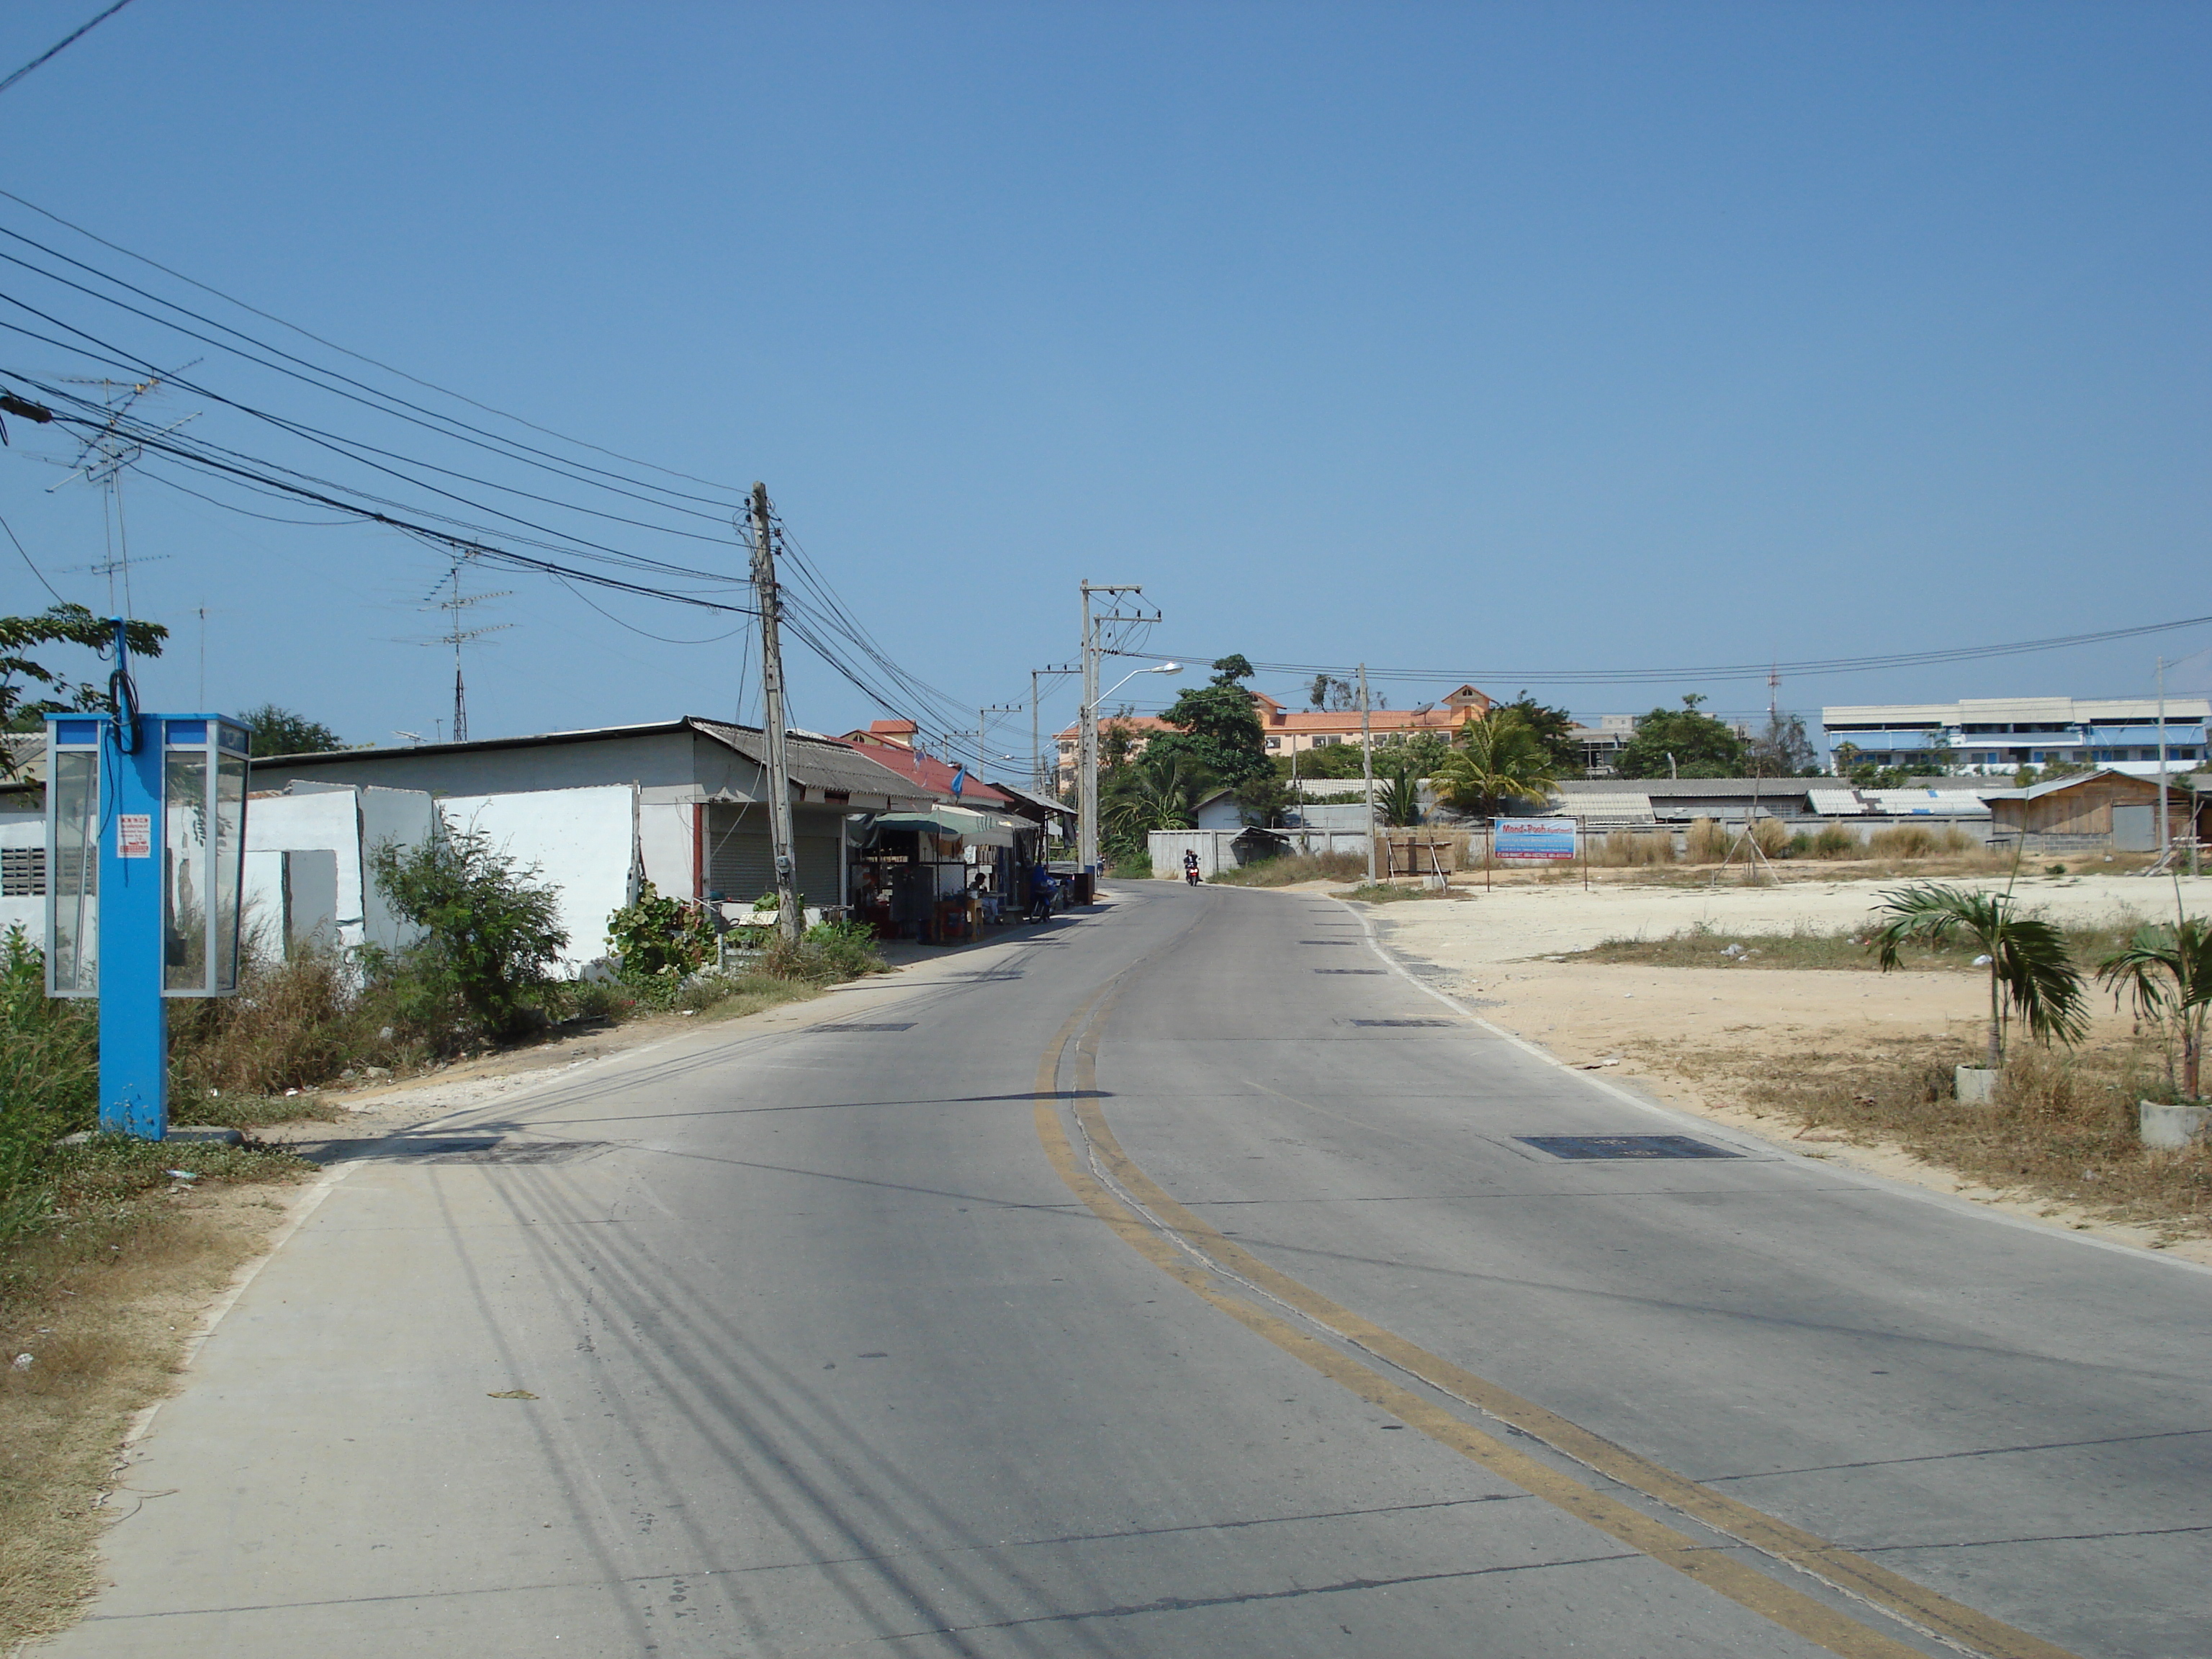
1838, 1063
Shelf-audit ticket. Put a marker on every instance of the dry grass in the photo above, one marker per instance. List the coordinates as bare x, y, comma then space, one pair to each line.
1295, 867
1390, 892
1842, 948
2062, 1131
103, 1300
1632, 848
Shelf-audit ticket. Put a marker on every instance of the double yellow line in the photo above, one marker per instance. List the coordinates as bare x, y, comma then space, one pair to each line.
1198, 1257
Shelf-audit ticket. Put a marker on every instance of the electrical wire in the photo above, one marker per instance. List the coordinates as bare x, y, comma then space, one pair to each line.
372, 363
35, 571
69, 40
1727, 671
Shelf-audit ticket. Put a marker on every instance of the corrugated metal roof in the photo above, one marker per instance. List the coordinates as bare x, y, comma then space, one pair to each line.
817, 762
1622, 804
1834, 803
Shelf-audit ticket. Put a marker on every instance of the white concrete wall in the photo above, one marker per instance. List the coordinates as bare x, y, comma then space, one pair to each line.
326, 820
584, 841
24, 829
666, 834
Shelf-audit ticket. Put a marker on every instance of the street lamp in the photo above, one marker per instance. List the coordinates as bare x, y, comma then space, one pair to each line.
1087, 784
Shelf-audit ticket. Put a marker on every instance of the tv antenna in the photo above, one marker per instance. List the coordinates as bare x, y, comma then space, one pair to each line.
101, 459
455, 604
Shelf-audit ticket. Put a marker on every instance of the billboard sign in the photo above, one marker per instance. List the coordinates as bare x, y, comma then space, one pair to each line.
1536, 840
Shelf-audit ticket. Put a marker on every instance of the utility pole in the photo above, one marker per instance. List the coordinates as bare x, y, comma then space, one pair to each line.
1086, 758
2165, 829
788, 918
983, 734
1038, 769
1367, 770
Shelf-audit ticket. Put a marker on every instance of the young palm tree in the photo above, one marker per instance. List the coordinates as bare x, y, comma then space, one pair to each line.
1398, 799
2165, 969
2030, 976
1153, 793
1499, 758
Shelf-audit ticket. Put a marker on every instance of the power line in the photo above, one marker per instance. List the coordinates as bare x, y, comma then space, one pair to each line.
69, 40
35, 571
1726, 672
431, 385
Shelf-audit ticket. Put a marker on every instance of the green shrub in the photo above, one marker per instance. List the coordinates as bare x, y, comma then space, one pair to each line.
660, 940
830, 953
48, 1078
1294, 867
493, 934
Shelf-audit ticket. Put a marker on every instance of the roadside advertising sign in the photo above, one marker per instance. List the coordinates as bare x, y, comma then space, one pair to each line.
1536, 840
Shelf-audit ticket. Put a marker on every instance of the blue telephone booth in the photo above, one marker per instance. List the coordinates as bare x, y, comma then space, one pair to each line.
145, 856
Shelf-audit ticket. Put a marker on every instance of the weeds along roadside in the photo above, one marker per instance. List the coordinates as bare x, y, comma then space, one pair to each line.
110, 1246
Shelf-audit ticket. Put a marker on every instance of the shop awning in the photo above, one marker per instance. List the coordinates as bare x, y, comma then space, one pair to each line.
976, 828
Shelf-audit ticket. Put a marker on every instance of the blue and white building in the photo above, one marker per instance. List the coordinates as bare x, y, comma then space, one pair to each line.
1999, 734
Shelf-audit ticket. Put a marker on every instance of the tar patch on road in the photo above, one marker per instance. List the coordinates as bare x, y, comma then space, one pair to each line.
1352, 970
1614, 1147
1446, 1024
875, 1025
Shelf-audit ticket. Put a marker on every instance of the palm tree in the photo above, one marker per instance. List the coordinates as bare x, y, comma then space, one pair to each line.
1400, 799
1155, 792
2030, 975
2166, 967
1499, 758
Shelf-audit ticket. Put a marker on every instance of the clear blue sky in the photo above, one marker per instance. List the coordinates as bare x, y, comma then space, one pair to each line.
1477, 337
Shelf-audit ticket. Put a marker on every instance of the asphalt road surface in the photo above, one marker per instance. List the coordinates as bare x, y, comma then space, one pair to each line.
1171, 1280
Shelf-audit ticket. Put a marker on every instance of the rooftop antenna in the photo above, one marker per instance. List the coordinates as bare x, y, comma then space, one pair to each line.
100, 461
456, 604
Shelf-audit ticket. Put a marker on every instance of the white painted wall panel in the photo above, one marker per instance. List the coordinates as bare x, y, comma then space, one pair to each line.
585, 842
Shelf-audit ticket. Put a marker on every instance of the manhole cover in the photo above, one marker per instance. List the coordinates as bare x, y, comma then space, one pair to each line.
1406, 1022
863, 1025
1591, 1146
1352, 970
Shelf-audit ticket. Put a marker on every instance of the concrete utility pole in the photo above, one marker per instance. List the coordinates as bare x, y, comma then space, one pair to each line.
1038, 769
788, 918
1087, 757
2165, 831
982, 734
1367, 768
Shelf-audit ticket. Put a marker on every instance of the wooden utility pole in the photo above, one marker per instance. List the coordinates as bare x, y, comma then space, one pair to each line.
789, 917
1367, 770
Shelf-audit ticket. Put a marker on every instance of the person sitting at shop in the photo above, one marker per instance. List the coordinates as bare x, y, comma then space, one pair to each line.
987, 902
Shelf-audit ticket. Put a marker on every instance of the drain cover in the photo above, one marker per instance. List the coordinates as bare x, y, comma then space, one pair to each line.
1352, 970
878, 1025
1406, 1022
1589, 1146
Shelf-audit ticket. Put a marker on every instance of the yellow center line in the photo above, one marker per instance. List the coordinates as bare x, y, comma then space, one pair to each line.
1184, 1247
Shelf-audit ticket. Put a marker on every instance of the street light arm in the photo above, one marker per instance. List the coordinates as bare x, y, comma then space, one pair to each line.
1162, 668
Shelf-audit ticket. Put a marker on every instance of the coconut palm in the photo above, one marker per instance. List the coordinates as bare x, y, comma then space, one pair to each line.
2166, 970
1499, 758
2030, 975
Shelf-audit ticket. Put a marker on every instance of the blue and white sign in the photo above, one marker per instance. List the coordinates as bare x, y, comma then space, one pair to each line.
1536, 840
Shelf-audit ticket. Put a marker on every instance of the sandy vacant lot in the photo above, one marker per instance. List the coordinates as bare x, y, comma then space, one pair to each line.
1659, 1029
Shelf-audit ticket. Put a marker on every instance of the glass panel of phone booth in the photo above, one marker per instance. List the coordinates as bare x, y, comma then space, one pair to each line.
229, 856
188, 896
73, 871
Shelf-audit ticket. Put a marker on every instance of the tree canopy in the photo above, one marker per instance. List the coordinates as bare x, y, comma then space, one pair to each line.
64, 624
1702, 746
1217, 730
1551, 728
280, 731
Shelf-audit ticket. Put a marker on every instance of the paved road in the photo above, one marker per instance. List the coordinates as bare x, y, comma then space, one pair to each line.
1146, 1286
